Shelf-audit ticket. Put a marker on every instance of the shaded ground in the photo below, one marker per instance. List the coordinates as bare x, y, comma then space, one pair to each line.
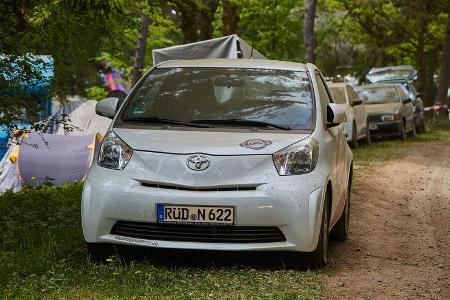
399, 245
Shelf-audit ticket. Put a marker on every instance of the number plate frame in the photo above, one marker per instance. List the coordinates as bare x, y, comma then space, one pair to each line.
160, 214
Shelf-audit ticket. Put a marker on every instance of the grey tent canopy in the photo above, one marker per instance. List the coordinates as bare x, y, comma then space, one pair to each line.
231, 46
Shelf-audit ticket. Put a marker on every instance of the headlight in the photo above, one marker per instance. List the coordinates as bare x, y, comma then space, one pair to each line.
390, 118
299, 158
114, 153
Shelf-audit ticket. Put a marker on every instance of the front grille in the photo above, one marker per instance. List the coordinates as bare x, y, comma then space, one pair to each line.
375, 118
199, 189
198, 233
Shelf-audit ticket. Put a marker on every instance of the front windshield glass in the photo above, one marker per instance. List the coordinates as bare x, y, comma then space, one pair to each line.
378, 95
338, 95
194, 94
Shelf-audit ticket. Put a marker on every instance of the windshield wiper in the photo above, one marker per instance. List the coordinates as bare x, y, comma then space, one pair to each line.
242, 122
164, 121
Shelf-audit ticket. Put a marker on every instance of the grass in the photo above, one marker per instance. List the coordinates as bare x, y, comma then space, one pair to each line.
43, 255
382, 150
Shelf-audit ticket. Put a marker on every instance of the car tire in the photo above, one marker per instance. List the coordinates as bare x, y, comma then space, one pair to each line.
423, 125
413, 130
98, 253
354, 141
403, 132
368, 138
340, 229
319, 257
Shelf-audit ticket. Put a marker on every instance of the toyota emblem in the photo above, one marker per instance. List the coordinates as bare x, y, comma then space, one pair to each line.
198, 162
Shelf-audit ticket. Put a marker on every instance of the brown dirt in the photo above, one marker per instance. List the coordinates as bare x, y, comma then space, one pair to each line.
399, 243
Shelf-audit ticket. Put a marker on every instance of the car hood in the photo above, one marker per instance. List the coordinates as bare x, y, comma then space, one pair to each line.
208, 142
383, 108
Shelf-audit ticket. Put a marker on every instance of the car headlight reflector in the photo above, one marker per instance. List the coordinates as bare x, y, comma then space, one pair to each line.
114, 153
299, 158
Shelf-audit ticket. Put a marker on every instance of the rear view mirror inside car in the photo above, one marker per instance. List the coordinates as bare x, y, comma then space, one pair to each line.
229, 81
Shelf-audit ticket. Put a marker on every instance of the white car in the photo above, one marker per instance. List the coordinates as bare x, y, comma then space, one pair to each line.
233, 155
357, 124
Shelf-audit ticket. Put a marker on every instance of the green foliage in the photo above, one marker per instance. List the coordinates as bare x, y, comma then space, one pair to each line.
275, 28
96, 93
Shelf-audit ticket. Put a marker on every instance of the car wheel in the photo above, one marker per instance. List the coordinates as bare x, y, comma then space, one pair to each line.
368, 138
98, 253
423, 125
340, 230
319, 257
403, 132
354, 141
413, 130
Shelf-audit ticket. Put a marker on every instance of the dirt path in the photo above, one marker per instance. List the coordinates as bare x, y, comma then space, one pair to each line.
399, 245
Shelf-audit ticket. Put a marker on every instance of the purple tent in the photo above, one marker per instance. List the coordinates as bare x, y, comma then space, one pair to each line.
56, 158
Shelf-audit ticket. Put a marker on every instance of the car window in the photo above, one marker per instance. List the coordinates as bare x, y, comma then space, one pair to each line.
279, 97
379, 94
338, 94
324, 97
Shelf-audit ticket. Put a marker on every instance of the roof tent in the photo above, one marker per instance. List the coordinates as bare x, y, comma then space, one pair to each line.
231, 46
405, 72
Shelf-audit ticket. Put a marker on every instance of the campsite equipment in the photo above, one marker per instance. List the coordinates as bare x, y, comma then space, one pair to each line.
231, 46
56, 158
48, 158
82, 117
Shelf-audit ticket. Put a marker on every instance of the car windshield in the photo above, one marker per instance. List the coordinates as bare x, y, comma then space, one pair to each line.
338, 94
378, 95
212, 95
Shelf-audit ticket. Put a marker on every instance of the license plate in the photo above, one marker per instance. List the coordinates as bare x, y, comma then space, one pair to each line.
167, 213
373, 126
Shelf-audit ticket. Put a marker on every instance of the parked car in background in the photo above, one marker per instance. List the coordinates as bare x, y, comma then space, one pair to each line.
390, 110
357, 124
405, 75
215, 154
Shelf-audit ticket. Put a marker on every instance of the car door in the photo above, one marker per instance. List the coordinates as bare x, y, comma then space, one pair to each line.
359, 112
335, 141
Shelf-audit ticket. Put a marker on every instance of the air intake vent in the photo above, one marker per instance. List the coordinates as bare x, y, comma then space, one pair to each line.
198, 233
199, 189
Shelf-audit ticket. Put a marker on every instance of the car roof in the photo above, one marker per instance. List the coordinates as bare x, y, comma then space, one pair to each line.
235, 63
378, 85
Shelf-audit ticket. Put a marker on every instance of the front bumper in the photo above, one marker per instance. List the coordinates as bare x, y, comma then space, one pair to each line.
386, 128
291, 203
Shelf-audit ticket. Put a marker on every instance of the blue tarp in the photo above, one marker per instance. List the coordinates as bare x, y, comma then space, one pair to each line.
44, 66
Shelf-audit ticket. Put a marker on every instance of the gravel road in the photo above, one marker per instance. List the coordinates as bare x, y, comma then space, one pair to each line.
399, 244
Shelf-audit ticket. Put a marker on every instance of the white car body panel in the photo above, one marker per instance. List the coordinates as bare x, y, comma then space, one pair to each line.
294, 204
356, 114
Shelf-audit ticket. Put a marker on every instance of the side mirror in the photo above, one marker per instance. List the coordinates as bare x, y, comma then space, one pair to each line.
357, 102
407, 100
336, 114
107, 107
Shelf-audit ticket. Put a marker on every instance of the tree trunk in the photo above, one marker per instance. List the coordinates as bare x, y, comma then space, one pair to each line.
444, 74
188, 22
230, 18
206, 19
140, 49
422, 70
308, 30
